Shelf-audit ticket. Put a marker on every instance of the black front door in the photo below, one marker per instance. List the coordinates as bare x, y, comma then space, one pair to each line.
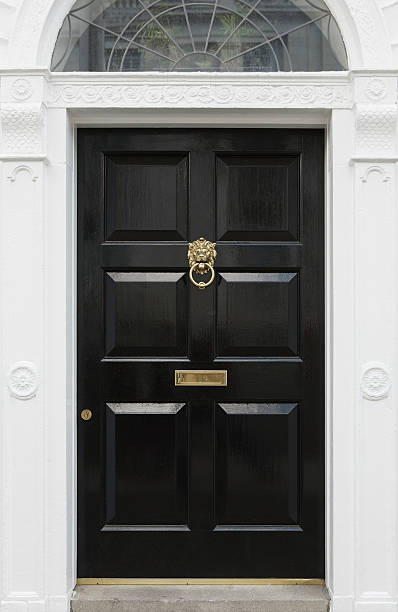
201, 481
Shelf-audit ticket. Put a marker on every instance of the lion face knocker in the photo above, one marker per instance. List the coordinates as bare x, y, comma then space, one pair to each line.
201, 256
201, 252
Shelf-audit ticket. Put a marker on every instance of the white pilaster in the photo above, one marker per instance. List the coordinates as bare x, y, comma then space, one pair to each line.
376, 326
29, 455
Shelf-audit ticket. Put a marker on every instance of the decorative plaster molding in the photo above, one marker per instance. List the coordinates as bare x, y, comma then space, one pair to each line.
382, 159
21, 127
375, 169
193, 93
23, 380
21, 89
375, 129
376, 381
376, 89
22, 168
32, 157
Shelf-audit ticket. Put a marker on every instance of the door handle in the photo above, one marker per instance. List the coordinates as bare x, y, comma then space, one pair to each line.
201, 256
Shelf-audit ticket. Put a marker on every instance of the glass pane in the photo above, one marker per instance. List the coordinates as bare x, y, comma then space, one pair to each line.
199, 35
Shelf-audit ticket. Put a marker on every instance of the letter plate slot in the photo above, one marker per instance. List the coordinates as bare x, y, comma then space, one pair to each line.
200, 378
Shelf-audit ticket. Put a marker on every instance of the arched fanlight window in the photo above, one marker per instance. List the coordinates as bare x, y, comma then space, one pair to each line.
192, 35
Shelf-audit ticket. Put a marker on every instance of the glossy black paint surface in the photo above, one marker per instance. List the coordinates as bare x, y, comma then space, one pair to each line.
201, 481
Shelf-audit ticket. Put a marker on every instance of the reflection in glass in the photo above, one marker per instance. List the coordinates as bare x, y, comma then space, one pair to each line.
199, 35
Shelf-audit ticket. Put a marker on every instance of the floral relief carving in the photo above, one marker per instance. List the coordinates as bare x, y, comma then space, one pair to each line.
23, 380
203, 94
21, 127
376, 89
21, 89
376, 381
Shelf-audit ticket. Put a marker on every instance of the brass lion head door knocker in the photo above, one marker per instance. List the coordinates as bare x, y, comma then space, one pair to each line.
201, 256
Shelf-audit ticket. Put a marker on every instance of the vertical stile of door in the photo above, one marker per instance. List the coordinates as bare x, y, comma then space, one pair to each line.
201, 222
312, 229
91, 445
201, 469
201, 345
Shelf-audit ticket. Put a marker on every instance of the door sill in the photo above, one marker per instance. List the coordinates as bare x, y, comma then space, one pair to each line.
201, 598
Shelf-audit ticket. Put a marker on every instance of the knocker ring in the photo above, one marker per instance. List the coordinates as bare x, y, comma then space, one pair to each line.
201, 284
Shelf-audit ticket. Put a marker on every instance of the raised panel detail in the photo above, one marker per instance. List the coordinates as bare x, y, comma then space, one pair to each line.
257, 465
257, 314
145, 314
257, 198
146, 466
146, 197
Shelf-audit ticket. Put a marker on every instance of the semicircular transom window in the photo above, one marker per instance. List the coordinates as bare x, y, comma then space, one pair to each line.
199, 35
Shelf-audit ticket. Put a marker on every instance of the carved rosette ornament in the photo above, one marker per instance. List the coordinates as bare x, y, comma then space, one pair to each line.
23, 380
376, 381
21, 89
376, 89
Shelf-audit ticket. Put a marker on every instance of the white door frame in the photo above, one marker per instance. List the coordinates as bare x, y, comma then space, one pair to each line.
39, 113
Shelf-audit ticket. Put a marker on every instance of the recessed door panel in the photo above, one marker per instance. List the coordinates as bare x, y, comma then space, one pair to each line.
257, 465
257, 197
146, 196
257, 314
145, 314
146, 466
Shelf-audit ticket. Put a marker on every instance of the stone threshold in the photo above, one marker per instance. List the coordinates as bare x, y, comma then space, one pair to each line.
200, 598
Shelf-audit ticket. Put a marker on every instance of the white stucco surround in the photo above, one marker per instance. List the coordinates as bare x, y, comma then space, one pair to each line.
39, 112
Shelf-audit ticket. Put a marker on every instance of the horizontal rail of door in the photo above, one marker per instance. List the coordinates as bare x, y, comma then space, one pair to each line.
274, 379
229, 256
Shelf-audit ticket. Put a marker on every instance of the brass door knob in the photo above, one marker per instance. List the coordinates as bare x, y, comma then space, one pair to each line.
201, 256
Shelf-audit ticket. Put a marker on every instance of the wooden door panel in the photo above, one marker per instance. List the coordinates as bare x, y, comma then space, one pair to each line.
146, 196
146, 473
257, 197
201, 481
257, 466
146, 314
257, 314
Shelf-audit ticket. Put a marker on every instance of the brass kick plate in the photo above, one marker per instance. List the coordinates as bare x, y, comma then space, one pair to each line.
200, 378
